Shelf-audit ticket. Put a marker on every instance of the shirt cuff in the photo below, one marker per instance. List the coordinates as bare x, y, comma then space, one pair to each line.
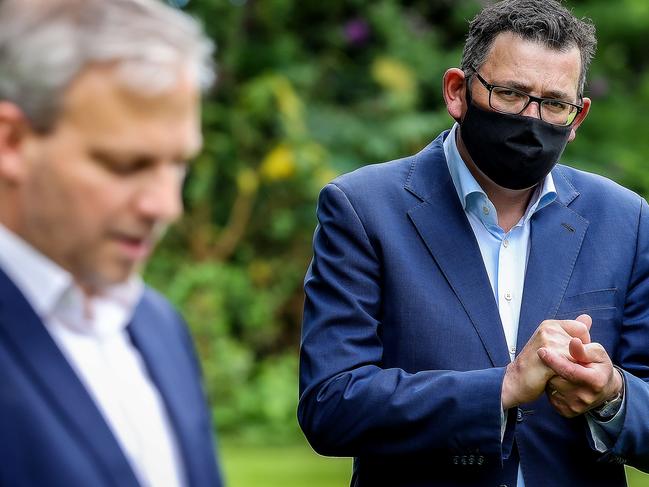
604, 433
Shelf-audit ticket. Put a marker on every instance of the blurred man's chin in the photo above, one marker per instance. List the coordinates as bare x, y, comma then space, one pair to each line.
96, 282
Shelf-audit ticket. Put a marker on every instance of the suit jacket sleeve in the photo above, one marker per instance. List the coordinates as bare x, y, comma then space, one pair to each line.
632, 444
350, 405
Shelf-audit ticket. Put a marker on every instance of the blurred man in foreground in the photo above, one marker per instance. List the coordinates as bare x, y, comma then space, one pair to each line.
99, 112
449, 290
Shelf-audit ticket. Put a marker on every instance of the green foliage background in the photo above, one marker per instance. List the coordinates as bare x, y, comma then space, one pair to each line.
308, 90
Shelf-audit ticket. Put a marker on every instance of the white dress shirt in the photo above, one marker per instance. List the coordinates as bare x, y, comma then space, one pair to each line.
91, 333
505, 256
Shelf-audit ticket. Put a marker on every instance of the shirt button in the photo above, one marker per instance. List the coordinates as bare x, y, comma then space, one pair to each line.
485, 210
505, 243
512, 350
508, 296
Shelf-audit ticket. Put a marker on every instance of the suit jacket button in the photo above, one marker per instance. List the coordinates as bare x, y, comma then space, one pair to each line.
519, 416
456, 460
463, 460
480, 460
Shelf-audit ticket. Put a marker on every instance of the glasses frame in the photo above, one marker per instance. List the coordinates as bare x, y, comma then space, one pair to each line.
539, 101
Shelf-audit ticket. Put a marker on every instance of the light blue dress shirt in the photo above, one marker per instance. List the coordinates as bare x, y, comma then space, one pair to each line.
505, 257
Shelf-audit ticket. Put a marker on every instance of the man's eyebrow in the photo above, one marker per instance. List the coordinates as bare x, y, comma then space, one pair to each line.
112, 155
553, 94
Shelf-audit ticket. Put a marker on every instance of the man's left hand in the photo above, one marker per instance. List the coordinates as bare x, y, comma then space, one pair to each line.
584, 383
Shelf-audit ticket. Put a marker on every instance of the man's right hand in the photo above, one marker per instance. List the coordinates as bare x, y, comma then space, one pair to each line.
526, 377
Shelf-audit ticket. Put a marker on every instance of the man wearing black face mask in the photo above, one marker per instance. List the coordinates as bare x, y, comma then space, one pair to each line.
477, 314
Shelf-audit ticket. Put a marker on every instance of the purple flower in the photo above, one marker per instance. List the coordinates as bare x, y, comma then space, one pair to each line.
356, 31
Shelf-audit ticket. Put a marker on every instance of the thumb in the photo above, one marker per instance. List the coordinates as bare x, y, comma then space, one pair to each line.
578, 351
587, 321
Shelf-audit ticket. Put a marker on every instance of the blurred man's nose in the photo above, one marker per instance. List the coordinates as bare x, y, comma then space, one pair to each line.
160, 198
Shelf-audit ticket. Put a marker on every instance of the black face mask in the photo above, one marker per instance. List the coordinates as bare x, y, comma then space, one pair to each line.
514, 151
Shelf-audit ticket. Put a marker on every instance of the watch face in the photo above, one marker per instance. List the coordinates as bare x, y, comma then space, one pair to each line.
609, 408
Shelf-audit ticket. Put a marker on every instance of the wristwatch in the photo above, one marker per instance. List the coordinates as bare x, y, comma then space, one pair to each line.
608, 409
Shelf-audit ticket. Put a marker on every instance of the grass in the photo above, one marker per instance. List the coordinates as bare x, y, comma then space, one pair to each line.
282, 466
298, 466
637, 478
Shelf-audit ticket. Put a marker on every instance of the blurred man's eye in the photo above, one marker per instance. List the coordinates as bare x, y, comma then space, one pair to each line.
121, 165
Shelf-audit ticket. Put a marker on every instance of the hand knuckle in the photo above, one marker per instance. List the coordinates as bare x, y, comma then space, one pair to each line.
545, 335
599, 384
574, 409
585, 399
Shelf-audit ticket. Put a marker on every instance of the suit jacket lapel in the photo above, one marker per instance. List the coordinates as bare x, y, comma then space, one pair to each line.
442, 224
557, 234
35, 349
171, 371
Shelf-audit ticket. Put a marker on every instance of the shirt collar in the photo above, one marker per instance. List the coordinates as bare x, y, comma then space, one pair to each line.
39, 279
49, 288
472, 196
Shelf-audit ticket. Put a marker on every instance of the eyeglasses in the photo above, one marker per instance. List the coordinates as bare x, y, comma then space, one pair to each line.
512, 101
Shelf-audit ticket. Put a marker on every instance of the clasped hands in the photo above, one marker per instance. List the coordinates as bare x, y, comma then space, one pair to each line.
560, 360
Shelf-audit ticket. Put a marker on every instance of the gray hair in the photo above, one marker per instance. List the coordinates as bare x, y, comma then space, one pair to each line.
46, 44
544, 21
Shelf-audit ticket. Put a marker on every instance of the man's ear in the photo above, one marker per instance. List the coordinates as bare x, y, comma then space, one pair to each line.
454, 92
580, 118
13, 130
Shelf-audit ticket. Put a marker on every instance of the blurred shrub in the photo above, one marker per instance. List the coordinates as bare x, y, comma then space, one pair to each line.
308, 90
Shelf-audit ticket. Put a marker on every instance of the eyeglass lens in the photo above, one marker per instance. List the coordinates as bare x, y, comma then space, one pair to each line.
511, 101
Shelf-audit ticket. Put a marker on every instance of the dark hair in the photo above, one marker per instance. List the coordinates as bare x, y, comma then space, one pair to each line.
545, 21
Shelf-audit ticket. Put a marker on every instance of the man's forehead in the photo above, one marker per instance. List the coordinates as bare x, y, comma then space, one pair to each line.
99, 106
105, 84
515, 59
40, 11
100, 109
509, 44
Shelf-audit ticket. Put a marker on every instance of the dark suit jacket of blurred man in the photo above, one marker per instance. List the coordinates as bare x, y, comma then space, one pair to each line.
54, 435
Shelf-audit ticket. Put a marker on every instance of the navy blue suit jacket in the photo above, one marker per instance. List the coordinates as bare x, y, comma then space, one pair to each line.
51, 432
403, 352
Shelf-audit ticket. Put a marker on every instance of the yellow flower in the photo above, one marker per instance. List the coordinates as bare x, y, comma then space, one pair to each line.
289, 105
279, 164
393, 75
